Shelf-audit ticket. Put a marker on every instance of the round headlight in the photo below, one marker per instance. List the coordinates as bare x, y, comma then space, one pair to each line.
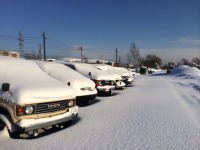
71, 103
29, 110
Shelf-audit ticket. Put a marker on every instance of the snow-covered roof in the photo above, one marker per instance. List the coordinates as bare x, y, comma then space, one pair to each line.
110, 71
84, 69
29, 84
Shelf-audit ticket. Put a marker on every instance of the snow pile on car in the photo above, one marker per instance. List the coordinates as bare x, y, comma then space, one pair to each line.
28, 83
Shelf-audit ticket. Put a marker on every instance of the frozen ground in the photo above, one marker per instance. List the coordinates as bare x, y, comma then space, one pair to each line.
157, 112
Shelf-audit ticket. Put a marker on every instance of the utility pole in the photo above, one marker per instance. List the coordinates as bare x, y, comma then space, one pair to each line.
81, 49
39, 53
44, 44
21, 45
116, 50
119, 60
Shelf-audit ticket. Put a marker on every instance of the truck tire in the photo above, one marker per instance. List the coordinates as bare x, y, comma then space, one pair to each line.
2, 125
109, 93
12, 129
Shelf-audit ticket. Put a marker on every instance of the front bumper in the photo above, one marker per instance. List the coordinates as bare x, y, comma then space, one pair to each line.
105, 88
26, 125
85, 98
119, 84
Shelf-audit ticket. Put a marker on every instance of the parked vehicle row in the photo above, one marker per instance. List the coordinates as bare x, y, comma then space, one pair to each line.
38, 94
104, 82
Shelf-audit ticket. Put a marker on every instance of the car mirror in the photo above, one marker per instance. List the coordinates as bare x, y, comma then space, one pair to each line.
5, 87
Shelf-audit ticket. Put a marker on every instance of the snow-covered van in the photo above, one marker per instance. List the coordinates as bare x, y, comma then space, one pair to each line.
31, 100
119, 84
84, 87
130, 76
104, 82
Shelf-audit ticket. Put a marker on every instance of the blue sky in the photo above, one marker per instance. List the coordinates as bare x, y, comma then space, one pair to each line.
168, 28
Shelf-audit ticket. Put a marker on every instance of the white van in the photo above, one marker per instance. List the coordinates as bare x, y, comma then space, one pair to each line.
104, 82
119, 84
31, 100
84, 87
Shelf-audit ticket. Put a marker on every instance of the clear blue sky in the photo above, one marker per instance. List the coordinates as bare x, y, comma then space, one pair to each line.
160, 27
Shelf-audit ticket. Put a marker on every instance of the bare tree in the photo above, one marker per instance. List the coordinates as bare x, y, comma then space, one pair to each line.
31, 56
134, 54
151, 61
184, 61
196, 60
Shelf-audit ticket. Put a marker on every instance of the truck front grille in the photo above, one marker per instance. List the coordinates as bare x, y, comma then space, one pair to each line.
51, 107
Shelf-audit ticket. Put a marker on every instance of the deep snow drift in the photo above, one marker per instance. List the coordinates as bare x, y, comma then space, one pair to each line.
158, 111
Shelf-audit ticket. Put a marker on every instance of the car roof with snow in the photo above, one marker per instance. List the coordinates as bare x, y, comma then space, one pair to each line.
104, 67
85, 69
29, 84
65, 74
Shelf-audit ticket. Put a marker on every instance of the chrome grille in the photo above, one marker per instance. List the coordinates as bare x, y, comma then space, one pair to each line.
51, 107
106, 82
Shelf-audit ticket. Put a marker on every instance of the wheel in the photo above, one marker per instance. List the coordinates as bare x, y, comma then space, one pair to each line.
12, 129
86, 103
2, 125
109, 93
13, 135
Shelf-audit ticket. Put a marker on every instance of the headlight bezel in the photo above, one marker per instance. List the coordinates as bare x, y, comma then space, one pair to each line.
25, 110
71, 103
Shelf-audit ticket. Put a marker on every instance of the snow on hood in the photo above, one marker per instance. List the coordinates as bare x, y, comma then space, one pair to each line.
105, 68
186, 72
29, 84
65, 74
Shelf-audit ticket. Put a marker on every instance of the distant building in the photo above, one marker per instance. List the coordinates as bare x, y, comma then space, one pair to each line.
9, 54
99, 61
72, 60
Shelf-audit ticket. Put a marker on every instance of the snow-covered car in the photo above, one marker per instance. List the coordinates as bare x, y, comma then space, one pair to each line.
127, 75
119, 84
31, 100
84, 87
104, 82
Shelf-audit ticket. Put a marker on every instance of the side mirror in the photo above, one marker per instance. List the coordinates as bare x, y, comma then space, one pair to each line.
5, 87
89, 74
69, 83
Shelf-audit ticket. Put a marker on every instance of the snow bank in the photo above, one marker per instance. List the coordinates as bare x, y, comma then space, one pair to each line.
29, 84
186, 72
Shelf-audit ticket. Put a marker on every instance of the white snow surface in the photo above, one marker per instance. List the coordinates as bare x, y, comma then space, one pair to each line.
29, 84
158, 112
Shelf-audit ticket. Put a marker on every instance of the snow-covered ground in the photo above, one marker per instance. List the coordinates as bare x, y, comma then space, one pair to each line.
159, 111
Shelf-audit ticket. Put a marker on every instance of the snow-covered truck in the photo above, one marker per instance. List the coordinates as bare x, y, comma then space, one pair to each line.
104, 82
31, 100
119, 84
84, 87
